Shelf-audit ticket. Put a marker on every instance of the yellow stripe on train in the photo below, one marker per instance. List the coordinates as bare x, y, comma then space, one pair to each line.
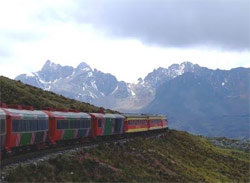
136, 130
155, 127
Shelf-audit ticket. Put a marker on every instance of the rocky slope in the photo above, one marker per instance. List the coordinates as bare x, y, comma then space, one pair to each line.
212, 102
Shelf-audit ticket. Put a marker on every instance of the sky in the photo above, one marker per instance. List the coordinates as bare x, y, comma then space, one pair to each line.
127, 38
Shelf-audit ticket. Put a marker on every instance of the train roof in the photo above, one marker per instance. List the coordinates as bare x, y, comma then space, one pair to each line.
134, 116
25, 113
118, 116
109, 116
2, 114
155, 116
97, 115
100, 115
76, 115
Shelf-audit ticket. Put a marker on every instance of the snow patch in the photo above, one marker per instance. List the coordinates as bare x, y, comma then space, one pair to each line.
42, 81
102, 94
90, 74
85, 69
180, 70
133, 93
31, 74
92, 95
94, 85
114, 90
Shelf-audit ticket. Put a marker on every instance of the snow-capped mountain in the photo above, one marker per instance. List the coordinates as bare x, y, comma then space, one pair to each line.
82, 83
160, 75
90, 85
196, 99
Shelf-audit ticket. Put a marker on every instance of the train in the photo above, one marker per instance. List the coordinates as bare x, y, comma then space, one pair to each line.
22, 127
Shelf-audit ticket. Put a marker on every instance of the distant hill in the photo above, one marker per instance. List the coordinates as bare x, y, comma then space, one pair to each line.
211, 102
173, 157
15, 92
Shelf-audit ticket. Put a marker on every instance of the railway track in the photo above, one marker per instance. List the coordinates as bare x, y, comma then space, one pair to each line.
29, 157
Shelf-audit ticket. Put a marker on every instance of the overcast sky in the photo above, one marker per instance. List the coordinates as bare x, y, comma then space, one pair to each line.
127, 38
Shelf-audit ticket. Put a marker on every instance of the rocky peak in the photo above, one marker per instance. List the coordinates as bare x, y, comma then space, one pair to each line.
179, 69
83, 66
160, 75
51, 71
50, 66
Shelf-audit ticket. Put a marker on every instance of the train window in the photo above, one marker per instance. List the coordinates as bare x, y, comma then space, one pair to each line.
27, 124
14, 126
23, 126
156, 121
78, 124
65, 124
88, 123
118, 122
72, 124
130, 123
39, 125
81, 123
84, 123
46, 124
3, 125
33, 125
99, 123
58, 124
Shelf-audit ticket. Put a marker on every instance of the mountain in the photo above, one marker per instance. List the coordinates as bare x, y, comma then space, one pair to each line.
208, 102
81, 83
103, 89
14, 92
195, 98
160, 75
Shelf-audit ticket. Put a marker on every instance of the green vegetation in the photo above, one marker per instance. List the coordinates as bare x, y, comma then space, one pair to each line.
15, 92
172, 157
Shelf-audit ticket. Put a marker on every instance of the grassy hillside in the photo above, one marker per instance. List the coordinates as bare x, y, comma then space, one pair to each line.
15, 92
174, 157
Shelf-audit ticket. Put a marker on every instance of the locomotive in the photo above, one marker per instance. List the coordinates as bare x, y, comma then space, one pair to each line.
23, 127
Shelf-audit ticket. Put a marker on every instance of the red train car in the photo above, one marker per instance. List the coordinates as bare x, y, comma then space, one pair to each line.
98, 121
68, 125
25, 128
107, 124
2, 130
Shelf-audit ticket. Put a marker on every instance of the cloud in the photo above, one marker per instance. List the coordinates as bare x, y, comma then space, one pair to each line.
171, 23
4, 53
22, 36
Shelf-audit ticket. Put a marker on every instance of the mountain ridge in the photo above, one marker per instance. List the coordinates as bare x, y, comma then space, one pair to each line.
212, 94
